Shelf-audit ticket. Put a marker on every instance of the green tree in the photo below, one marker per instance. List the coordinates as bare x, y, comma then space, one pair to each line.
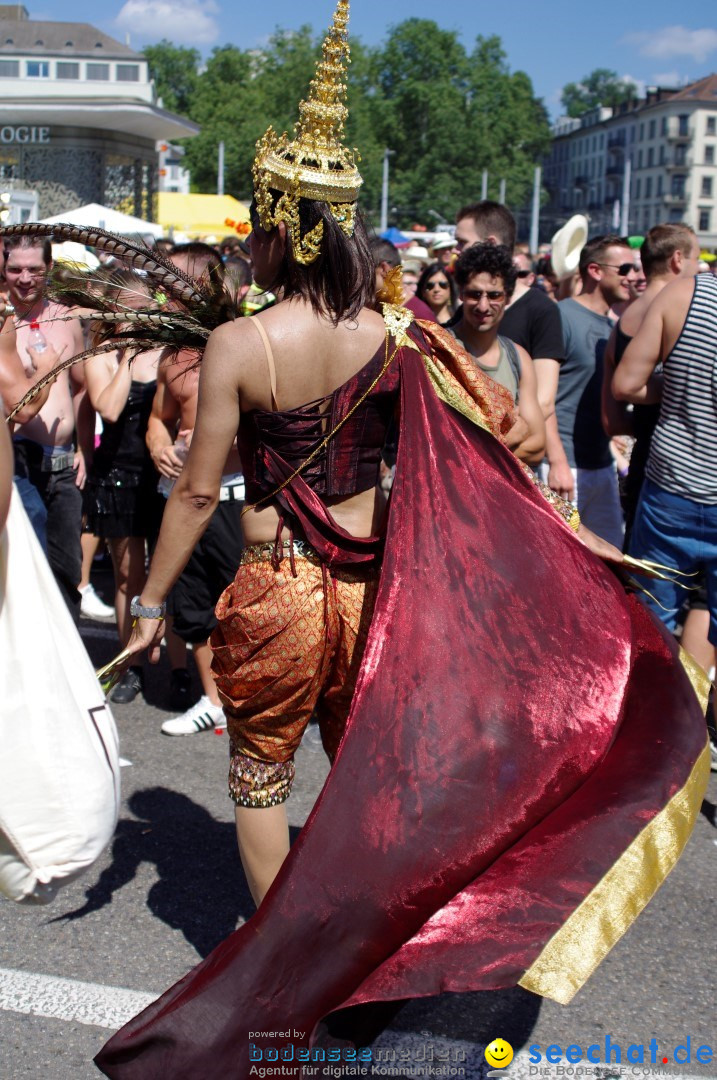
227, 107
175, 73
600, 87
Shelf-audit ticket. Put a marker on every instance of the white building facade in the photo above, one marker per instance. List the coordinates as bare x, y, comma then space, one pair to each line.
657, 157
79, 118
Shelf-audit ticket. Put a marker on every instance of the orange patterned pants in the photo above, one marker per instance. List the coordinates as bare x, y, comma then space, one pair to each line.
287, 646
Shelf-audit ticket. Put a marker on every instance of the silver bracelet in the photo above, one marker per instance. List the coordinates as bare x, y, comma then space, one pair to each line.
140, 611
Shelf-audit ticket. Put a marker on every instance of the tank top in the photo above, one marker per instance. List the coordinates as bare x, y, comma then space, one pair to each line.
122, 442
683, 455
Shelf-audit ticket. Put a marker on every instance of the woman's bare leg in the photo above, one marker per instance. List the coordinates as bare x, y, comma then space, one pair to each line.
263, 836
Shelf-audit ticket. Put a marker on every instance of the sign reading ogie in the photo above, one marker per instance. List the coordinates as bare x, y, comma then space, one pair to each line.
24, 134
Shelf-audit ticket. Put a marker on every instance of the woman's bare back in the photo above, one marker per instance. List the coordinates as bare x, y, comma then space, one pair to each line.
312, 358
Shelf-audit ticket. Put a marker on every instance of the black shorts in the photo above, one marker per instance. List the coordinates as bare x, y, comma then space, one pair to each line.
211, 568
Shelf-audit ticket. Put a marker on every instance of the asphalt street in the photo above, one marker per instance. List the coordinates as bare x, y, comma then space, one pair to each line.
171, 887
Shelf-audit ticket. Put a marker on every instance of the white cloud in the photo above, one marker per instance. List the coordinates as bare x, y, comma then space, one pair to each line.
674, 41
668, 78
184, 22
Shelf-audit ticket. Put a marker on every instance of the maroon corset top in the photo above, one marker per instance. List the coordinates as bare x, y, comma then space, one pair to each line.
350, 461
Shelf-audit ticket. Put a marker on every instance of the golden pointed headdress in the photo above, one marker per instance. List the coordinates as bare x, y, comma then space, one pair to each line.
314, 164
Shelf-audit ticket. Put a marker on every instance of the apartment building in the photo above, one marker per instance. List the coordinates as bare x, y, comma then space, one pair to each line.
79, 117
656, 156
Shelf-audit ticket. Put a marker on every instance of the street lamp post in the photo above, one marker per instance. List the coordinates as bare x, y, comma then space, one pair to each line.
384, 191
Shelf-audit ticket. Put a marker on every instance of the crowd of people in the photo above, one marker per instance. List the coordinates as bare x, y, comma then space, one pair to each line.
255, 480
97, 453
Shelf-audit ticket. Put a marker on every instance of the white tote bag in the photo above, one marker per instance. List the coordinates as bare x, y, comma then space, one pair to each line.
59, 765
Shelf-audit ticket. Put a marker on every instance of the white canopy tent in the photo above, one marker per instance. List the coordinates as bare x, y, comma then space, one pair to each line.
99, 217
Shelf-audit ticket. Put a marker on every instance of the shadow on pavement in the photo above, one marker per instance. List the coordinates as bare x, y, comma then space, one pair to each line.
201, 889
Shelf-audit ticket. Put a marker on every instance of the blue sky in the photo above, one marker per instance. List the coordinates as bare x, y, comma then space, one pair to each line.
558, 41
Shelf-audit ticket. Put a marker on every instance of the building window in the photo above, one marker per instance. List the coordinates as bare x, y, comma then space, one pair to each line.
712, 125
663, 126
652, 129
659, 185
709, 155
684, 121
678, 185
9, 69
706, 191
128, 73
704, 225
38, 69
66, 70
651, 156
98, 71
675, 215
648, 187
638, 185
662, 153
639, 159
642, 132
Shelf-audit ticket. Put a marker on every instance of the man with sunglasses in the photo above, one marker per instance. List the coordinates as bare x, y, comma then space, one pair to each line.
530, 319
579, 465
485, 276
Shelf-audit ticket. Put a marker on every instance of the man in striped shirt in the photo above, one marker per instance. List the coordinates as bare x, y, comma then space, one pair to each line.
676, 520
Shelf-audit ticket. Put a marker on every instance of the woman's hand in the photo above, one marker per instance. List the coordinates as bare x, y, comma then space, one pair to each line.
598, 546
146, 634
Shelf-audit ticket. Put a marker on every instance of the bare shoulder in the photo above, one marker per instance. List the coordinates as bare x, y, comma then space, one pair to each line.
677, 295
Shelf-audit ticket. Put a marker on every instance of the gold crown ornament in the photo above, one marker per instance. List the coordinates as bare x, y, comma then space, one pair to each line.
314, 164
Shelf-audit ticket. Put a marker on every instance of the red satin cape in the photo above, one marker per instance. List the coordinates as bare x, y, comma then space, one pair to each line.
518, 723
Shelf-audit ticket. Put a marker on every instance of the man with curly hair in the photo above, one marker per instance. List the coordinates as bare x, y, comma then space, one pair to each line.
485, 276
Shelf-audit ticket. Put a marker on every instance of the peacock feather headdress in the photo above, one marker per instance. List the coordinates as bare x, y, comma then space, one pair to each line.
315, 164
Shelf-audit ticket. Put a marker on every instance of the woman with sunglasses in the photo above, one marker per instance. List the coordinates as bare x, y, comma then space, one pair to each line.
437, 289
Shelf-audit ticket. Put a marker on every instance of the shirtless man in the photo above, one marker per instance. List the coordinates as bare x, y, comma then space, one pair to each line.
215, 560
668, 252
45, 455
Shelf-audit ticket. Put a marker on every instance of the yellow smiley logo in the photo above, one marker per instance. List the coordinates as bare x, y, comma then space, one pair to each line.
499, 1053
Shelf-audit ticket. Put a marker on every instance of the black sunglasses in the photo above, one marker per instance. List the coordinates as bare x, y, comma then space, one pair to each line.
523, 273
623, 269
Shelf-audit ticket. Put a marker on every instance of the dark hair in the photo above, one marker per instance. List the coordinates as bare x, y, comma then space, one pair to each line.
494, 259
596, 249
197, 251
12, 243
430, 271
491, 219
342, 280
661, 243
384, 251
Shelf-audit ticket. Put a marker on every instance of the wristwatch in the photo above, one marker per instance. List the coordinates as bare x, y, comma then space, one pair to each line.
140, 611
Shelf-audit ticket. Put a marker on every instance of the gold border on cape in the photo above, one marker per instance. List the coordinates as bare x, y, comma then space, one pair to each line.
607, 912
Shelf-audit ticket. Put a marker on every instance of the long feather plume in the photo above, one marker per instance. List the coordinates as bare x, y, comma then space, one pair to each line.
174, 281
143, 303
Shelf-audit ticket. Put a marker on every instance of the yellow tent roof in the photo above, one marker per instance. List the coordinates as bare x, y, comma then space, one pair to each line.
199, 215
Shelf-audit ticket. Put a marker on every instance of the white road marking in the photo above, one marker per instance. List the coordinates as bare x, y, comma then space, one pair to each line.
413, 1054
70, 999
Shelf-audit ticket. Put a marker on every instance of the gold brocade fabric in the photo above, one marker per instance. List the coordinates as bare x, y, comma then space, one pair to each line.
459, 383
598, 923
285, 647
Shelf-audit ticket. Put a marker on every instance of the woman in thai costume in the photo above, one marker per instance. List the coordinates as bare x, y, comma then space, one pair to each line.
505, 776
